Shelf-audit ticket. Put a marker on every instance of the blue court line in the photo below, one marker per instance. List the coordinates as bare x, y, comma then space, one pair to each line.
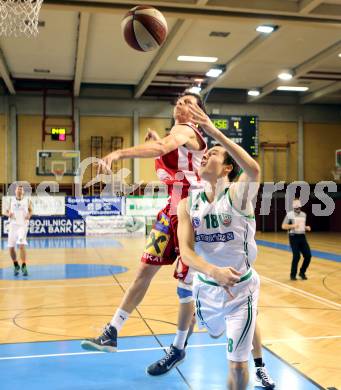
63, 365
63, 271
323, 255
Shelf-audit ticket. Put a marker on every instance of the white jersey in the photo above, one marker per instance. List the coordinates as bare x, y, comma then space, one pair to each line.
298, 219
20, 209
223, 236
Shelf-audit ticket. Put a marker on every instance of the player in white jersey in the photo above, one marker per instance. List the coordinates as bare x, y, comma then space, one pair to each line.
19, 213
216, 237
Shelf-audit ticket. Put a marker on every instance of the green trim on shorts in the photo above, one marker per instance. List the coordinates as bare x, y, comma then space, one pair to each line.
198, 304
244, 277
248, 321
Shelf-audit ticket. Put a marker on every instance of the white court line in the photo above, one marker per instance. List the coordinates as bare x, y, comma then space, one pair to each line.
303, 293
161, 348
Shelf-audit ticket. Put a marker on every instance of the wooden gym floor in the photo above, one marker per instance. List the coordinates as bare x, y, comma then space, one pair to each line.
300, 320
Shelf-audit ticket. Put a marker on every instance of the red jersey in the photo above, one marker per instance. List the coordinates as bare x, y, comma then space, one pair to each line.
179, 169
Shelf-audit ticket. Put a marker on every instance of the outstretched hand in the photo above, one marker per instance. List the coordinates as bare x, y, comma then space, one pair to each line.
104, 172
202, 119
104, 165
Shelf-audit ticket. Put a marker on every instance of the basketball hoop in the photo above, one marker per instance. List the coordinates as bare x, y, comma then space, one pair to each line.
58, 174
58, 169
19, 17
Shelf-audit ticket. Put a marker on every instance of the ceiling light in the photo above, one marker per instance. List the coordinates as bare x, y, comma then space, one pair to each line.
253, 92
214, 72
292, 88
266, 28
196, 89
286, 75
339, 54
197, 59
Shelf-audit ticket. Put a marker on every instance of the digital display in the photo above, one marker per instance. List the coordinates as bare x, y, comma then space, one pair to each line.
243, 130
58, 133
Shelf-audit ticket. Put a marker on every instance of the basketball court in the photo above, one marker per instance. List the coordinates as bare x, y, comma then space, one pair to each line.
72, 91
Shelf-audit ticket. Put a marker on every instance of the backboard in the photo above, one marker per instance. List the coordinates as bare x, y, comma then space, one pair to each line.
57, 162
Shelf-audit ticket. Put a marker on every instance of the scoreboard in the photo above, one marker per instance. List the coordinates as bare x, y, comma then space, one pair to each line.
243, 130
58, 133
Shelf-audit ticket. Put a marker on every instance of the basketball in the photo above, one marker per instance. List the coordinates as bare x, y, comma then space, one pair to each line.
144, 28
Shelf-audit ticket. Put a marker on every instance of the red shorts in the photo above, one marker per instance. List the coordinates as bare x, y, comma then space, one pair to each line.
162, 246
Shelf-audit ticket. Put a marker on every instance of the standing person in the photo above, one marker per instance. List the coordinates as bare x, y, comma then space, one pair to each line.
216, 236
178, 157
295, 223
19, 213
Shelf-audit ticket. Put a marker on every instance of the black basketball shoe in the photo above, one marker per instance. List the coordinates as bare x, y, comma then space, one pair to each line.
264, 379
174, 357
16, 270
106, 342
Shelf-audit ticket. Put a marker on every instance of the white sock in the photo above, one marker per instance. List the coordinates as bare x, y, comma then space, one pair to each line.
180, 338
119, 318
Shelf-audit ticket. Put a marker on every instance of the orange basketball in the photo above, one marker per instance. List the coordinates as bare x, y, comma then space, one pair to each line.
144, 28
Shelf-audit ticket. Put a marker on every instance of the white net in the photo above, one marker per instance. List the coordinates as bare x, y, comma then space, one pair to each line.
19, 17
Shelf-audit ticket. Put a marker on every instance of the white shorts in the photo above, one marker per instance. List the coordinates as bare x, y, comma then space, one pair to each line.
217, 311
17, 235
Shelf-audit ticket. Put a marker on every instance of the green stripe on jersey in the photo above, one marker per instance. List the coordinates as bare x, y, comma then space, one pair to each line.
248, 321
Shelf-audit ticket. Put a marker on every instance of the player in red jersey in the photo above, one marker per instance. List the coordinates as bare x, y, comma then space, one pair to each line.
178, 158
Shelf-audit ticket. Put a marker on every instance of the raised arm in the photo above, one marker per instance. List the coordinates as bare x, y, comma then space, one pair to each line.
247, 185
224, 276
249, 166
180, 135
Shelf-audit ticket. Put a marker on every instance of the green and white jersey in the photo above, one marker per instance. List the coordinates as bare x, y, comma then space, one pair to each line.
223, 236
19, 208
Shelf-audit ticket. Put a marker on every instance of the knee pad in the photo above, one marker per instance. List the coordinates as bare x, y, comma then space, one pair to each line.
184, 292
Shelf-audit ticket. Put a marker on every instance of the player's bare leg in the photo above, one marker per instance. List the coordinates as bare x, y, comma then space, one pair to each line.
137, 290
107, 341
22, 252
185, 316
238, 375
13, 255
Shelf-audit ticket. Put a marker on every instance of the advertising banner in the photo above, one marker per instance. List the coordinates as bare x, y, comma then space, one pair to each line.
146, 206
50, 226
116, 225
82, 207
